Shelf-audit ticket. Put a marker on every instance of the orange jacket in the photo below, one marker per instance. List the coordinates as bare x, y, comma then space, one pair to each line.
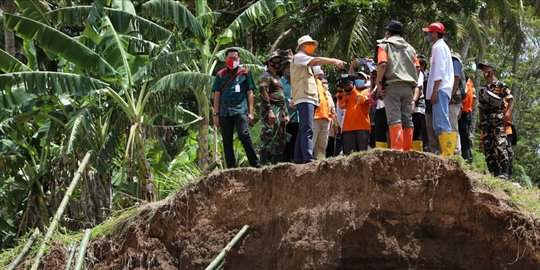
469, 99
357, 105
323, 111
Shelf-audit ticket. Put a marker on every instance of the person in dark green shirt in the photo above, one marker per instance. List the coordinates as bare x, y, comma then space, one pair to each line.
233, 107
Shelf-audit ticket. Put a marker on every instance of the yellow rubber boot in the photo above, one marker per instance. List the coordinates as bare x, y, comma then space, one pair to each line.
447, 140
418, 146
383, 145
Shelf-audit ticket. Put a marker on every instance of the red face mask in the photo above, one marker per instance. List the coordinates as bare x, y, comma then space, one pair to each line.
232, 64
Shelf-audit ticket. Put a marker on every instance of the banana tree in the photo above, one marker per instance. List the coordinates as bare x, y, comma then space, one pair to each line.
195, 33
92, 89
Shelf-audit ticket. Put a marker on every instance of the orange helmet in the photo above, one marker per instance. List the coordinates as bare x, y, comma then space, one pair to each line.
435, 27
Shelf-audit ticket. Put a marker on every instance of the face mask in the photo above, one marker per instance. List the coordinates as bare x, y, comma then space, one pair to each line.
309, 49
276, 66
325, 86
429, 37
359, 83
232, 64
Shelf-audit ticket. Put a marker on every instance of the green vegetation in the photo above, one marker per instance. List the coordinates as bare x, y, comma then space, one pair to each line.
130, 81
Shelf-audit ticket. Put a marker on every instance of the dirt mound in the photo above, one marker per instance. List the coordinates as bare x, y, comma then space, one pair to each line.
380, 210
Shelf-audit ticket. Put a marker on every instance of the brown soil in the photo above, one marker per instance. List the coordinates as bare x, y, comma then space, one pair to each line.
379, 210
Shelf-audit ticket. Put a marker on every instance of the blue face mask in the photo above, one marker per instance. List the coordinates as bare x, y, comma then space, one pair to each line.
359, 83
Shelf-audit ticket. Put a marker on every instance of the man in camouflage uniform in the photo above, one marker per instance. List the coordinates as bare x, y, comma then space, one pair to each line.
495, 107
273, 111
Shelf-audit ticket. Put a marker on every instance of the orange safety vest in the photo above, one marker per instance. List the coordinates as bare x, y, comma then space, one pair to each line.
469, 98
323, 111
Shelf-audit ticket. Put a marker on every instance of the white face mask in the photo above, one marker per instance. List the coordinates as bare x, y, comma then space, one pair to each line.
325, 86
236, 64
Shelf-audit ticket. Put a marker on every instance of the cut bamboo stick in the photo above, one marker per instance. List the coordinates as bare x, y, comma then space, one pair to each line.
60, 211
82, 250
25, 249
72, 251
217, 263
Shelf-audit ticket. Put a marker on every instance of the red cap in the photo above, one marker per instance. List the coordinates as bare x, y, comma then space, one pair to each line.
435, 27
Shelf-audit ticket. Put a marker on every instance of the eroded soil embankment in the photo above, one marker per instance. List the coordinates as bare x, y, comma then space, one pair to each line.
380, 210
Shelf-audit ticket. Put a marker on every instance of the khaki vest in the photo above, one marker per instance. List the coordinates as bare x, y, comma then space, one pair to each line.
400, 68
303, 84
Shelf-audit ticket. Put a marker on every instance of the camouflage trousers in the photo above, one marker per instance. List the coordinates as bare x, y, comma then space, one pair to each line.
273, 137
496, 148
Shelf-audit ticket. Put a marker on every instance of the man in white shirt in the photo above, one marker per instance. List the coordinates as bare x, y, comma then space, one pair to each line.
439, 87
305, 94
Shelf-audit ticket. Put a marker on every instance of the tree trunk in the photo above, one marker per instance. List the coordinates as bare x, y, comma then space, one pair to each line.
9, 37
146, 178
249, 42
479, 58
96, 197
203, 154
281, 38
466, 47
515, 64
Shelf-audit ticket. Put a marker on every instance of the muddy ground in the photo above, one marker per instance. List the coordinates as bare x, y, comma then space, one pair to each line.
379, 210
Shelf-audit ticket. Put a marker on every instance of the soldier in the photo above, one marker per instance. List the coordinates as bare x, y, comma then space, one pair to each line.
273, 111
495, 108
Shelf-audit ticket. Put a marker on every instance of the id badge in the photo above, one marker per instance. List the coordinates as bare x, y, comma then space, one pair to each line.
237, 88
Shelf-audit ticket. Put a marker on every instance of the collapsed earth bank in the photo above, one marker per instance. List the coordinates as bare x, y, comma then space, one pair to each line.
378, 210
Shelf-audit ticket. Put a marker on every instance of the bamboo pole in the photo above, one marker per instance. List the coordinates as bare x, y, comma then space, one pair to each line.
72, 251
25, 249
60, 211
217, 263
82, 250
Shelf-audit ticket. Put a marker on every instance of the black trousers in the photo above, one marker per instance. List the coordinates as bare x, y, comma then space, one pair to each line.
464, 126
241, 123
381, 125
419, 122
338, 146
355, 140
372, 135
292, 130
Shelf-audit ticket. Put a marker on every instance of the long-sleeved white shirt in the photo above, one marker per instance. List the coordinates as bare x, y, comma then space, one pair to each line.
441, 68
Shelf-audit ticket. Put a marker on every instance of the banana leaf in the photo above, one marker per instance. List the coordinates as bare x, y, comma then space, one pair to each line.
62, 45
124, 22
9, 63
55, 83
173, 11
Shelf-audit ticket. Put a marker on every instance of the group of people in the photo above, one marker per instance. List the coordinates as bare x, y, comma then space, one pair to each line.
391, 102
